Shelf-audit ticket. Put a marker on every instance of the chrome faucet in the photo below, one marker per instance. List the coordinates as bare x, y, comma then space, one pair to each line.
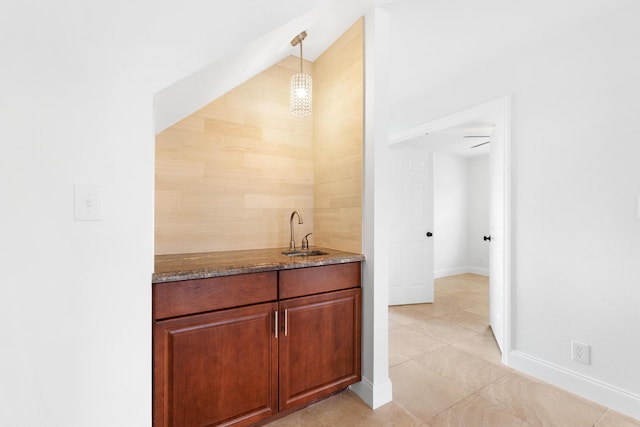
292, 243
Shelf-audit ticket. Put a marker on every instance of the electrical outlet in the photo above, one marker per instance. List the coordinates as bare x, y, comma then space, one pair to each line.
581, 352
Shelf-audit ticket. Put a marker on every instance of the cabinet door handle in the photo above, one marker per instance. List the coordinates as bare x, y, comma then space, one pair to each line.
286, 321
276, 318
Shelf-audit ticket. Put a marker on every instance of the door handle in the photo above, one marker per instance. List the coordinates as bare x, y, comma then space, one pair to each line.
275, 316
487, 238
429, 234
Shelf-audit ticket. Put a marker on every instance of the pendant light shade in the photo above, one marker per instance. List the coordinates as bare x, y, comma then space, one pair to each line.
301, 95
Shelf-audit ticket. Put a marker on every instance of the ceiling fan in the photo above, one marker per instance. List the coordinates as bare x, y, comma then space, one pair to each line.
478, 136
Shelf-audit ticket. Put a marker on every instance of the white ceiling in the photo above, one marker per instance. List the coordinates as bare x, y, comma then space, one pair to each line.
432, 41
245, 38
458, 140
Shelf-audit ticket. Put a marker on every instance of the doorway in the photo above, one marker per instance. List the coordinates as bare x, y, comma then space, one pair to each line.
496, 112
461, 188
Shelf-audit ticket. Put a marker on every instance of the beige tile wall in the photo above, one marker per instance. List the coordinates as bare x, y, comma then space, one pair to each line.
338, 142
229, 176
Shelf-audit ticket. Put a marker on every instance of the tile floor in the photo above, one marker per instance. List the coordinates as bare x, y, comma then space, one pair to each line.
446, 371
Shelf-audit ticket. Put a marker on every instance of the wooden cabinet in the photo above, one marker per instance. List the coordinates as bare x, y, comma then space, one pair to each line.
319, 346
218, 368
215, 365
294, 339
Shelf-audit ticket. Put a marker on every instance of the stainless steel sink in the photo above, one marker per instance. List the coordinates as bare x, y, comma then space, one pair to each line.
304, 253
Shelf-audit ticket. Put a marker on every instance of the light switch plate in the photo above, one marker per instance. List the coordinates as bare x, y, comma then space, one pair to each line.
88, 203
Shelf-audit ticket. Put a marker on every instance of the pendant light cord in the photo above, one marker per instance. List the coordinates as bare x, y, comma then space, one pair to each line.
300, 56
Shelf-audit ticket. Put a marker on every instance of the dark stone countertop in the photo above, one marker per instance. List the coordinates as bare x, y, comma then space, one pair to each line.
200, 265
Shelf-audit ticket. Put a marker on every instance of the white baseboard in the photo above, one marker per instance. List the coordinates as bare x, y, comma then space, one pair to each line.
444, 272
479, 270
597, 391
373, 395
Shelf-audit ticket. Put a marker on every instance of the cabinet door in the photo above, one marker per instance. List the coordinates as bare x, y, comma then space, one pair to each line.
219, 368
319, 346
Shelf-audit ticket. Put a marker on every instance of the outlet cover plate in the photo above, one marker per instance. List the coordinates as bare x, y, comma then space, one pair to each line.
581, 352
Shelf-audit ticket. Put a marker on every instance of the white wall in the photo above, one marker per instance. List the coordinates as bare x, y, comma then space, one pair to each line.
450, 214
77, 82
576, 183
375, 387
461, 214
478, 219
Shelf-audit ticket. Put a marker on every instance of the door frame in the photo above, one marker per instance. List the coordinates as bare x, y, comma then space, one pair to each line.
499, 108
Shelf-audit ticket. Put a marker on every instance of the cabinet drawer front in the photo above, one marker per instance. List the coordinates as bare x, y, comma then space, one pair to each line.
174, 299
315, 280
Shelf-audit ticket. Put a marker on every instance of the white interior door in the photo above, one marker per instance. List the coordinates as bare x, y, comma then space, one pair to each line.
411, 209
496, 227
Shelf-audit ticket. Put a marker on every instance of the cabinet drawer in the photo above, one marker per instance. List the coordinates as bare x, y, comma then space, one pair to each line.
174, 299
315, 280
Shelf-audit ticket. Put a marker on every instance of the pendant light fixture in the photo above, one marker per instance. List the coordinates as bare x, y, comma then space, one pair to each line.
301, 85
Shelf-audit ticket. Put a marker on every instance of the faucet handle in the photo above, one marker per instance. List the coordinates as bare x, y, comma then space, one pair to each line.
305, 242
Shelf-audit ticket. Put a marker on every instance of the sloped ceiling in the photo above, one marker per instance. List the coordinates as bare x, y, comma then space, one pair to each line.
432, 41
239, 60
